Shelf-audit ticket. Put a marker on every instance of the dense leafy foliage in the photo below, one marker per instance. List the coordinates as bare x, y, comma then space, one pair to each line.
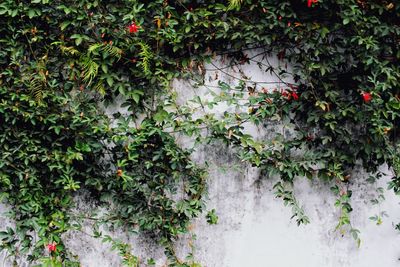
63, 63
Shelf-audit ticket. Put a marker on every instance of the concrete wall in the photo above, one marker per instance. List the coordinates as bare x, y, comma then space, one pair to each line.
254, 228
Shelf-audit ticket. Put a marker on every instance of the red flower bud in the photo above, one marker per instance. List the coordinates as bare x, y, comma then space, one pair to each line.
52, 247
286, 94
310, 2
133, 27
366, 96
295, 96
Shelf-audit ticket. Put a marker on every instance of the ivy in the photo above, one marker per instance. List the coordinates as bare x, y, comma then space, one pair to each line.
64, 65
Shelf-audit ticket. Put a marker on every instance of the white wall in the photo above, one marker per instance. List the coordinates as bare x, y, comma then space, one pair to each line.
255, 228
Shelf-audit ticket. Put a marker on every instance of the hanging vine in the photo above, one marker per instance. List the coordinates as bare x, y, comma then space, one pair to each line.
61, 62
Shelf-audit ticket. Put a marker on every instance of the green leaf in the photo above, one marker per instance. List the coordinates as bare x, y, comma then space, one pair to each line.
160, 116
110, 81
31, 13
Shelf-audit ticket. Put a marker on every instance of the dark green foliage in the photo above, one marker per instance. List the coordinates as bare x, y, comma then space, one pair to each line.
61, 61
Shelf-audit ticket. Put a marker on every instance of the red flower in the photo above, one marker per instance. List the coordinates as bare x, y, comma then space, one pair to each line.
366, 96
133, 27
295, 96
285, 94
52, 246
310, 2
280, 18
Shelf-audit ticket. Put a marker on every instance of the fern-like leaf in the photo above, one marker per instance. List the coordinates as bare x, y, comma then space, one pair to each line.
234, 4
99, 87
69, 50
112, 50
146, 55
66, 50
89, 69
37, 86
94, 48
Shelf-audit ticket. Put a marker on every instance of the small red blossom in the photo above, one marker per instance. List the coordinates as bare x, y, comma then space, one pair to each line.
133, 27
310, 2
280, 18
295, 96
52, 247
286, 94
289, 24
366, 96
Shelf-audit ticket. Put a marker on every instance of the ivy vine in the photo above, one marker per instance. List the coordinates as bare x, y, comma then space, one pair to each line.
64, 64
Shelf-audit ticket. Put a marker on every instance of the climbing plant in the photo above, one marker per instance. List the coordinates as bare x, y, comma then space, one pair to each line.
65, 65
